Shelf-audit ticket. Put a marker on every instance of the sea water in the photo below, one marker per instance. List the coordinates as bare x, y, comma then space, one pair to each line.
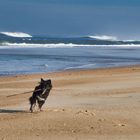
39, 60
43, 55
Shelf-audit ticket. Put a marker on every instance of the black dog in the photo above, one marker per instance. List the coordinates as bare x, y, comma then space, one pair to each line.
40, 94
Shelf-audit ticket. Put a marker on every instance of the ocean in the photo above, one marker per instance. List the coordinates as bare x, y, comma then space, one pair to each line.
22, 53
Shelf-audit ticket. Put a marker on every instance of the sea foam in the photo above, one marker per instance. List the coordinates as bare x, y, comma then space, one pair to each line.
62, 45
30, 45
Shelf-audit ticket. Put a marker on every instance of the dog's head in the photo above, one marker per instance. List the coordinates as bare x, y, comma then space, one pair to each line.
46, 84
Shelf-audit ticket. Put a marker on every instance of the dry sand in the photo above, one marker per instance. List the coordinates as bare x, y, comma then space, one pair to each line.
101, 104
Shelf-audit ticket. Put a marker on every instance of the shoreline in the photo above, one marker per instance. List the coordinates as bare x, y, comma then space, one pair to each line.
71, 70
83, 104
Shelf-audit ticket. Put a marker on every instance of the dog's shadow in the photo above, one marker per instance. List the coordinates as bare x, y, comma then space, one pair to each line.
12, 111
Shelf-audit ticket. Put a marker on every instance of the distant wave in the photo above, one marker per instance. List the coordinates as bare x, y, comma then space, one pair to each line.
16, 34
104, 37
130, 40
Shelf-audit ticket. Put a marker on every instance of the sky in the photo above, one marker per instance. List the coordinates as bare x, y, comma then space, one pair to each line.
119, 18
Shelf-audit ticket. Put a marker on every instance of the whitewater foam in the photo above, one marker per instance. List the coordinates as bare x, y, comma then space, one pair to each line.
61, 45
16, 34
29, 45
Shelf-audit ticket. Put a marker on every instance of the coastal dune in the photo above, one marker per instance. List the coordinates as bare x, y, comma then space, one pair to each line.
101, 104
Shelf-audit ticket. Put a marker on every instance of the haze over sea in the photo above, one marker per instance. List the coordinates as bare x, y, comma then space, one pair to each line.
21, 53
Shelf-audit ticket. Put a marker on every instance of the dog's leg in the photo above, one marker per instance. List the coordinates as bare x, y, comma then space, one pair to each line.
33, 103
40, 104
31, 108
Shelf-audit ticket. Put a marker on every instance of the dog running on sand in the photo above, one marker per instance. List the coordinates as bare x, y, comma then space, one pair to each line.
40, 94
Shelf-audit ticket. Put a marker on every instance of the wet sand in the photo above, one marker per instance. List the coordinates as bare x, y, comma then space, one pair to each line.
100, 104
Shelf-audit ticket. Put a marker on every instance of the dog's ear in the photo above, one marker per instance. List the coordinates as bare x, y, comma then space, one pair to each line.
42, 80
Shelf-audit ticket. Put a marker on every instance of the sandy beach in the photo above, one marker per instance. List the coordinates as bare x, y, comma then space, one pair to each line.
101, 104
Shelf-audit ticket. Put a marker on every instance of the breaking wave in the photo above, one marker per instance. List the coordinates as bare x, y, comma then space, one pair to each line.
24, 40
16, 34
104, 37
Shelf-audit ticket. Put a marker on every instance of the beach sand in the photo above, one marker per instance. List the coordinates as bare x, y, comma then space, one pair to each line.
101, 104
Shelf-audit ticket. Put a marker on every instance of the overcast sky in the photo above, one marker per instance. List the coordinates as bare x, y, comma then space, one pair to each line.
72, 17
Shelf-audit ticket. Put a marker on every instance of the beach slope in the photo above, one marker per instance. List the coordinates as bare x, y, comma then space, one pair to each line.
100, 104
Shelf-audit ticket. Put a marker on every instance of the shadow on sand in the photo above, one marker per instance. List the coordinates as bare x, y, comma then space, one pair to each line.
12, 111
